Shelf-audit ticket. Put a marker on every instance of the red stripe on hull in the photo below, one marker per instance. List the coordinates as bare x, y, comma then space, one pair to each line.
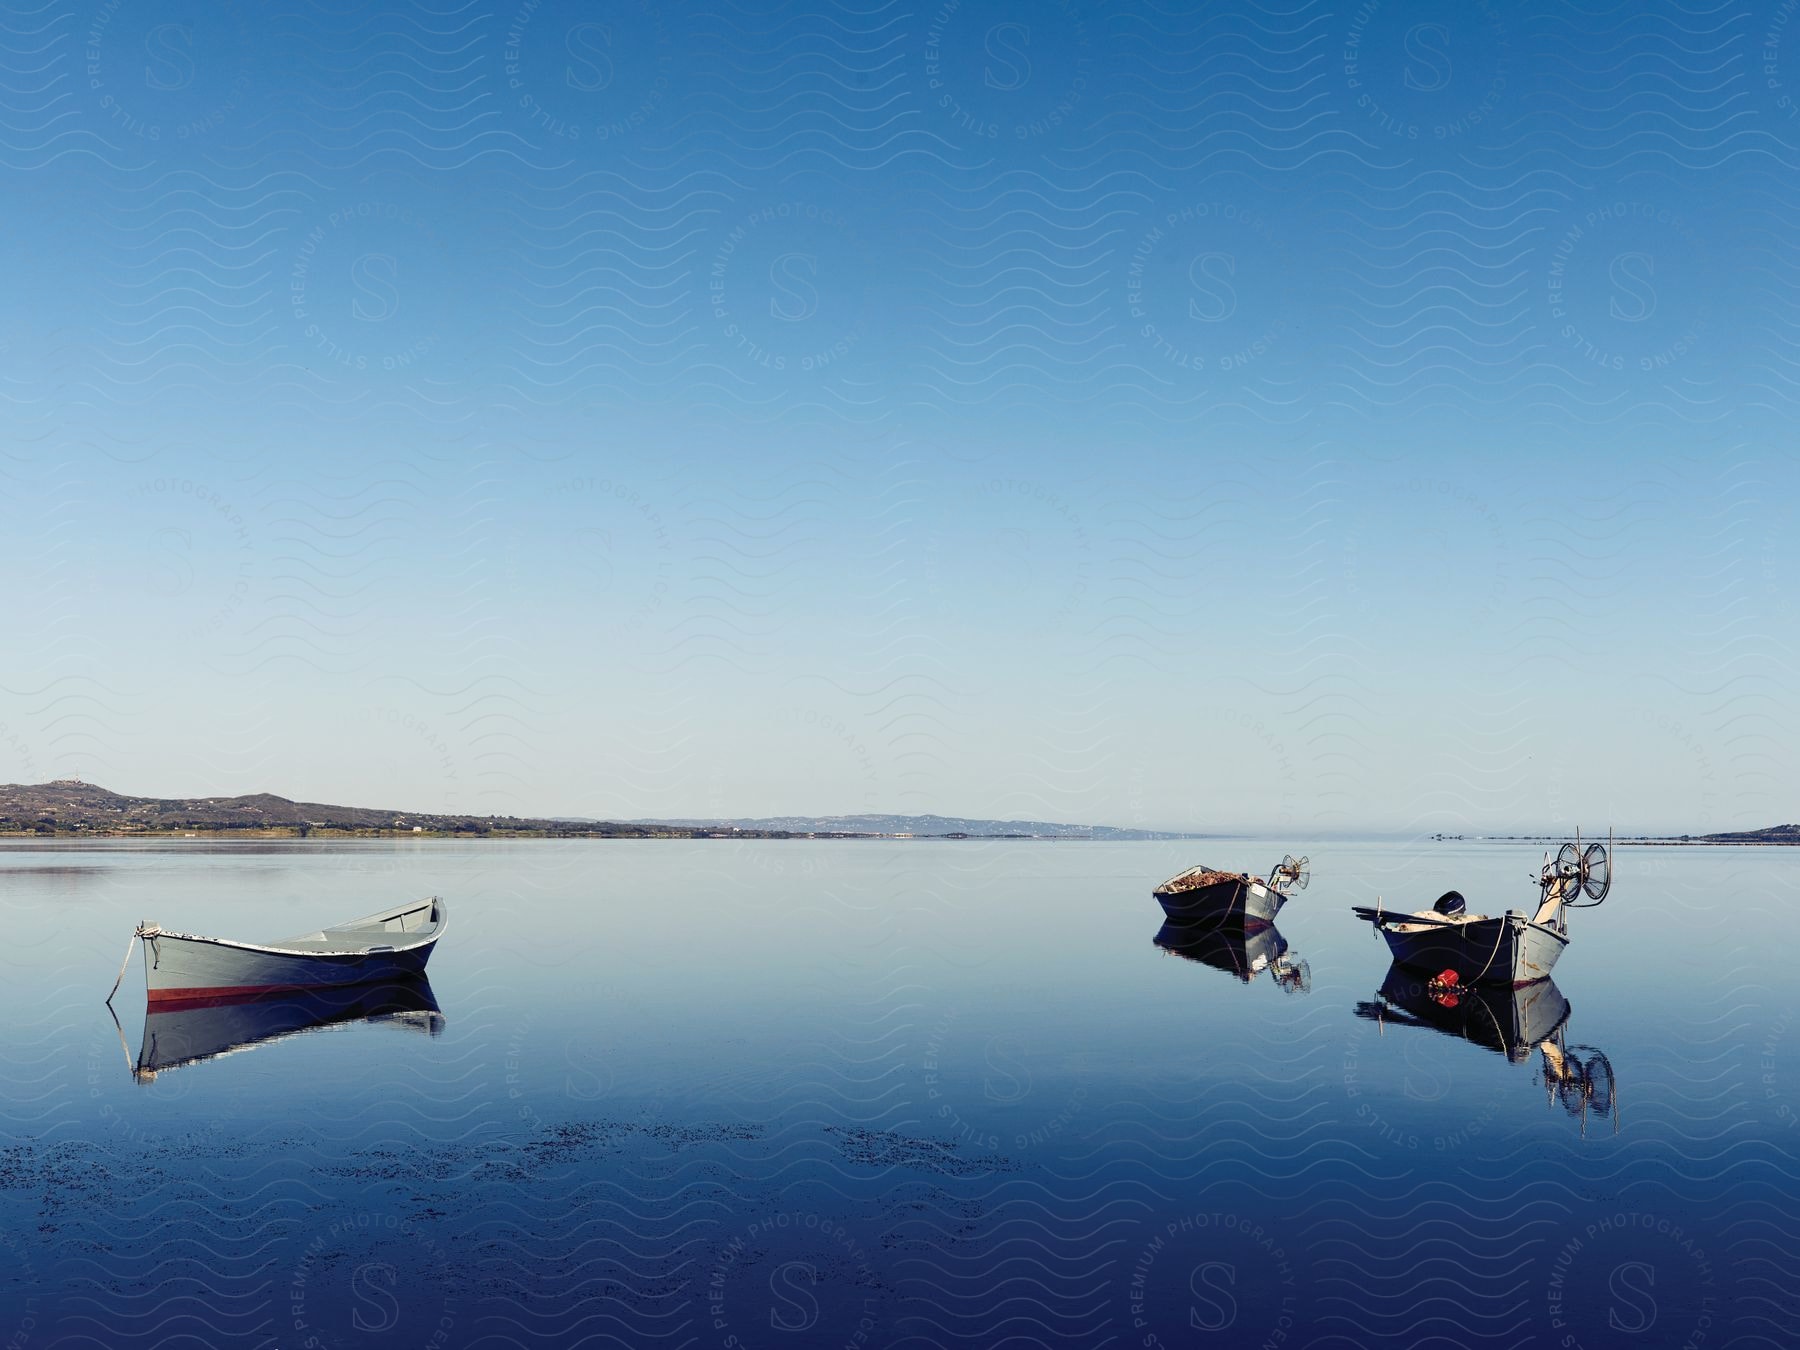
205, 997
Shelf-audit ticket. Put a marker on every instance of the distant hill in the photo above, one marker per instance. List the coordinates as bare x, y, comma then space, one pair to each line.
1773, 834
935, 827
73, 807
70, 806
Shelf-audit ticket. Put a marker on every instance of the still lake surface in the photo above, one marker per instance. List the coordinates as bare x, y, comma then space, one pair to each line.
795, 1094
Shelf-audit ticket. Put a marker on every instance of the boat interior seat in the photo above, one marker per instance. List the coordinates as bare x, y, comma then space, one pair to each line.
1437, 920
374, 930
412, 921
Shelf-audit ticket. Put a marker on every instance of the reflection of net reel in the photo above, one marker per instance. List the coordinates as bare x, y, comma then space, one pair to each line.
1290, 874
1597, 1084
1294, 977
1580, 1085
1579, 872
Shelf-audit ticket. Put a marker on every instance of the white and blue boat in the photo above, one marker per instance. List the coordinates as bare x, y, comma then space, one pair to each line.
394, 944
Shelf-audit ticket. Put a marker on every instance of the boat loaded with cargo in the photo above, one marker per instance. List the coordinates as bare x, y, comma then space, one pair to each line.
1204, 895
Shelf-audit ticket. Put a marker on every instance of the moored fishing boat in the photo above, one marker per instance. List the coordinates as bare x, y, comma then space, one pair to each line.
391, 945
1204, 895
1511, 948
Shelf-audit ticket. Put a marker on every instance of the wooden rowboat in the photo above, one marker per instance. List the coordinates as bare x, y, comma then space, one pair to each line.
188, 968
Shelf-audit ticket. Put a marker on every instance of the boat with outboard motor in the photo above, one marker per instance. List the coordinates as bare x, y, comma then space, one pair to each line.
1511, 948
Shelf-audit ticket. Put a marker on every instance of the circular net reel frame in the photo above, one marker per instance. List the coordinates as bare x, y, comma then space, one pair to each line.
1585, 872
1290, 874
1594, 872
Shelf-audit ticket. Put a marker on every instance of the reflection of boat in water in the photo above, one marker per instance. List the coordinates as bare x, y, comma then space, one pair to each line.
1511, 948
1511, 1021
202, 1030
1204, 895
1243, 954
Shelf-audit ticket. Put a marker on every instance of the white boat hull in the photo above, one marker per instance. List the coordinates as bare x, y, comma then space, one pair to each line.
395, 945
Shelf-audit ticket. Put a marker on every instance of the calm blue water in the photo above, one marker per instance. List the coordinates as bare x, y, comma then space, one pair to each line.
908, 1094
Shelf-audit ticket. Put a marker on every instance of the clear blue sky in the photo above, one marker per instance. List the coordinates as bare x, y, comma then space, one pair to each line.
1303, 418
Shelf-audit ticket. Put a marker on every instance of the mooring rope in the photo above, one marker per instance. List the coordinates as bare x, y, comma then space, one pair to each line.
124, 1049
1243, 892
144, 930
129, 944
1505, 928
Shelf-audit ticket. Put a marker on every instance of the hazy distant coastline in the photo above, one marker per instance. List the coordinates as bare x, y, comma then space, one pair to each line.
876, 826
71, 808
1770, 836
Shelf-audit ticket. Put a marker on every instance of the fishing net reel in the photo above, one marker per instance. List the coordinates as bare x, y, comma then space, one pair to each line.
1580, 871
1290, 874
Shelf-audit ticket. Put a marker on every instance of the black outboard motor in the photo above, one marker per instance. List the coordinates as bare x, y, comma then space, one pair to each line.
1450, 903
